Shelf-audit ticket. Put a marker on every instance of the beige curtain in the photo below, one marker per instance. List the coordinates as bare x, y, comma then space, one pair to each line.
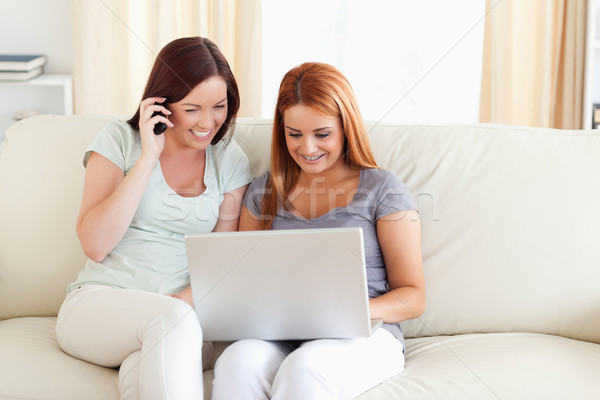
116, 42
533, 63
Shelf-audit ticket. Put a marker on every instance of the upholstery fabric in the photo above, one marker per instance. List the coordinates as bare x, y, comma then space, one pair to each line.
510, 223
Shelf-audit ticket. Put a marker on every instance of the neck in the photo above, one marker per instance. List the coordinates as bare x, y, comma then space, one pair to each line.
182, 157
173, 148
328, 179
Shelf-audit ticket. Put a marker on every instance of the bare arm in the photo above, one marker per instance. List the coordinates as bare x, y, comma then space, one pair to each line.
249, 221
108, 205
400, 240
229, 211
110, 198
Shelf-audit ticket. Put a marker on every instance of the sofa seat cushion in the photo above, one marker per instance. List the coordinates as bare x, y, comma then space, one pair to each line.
495, 366
32, 365
475, 366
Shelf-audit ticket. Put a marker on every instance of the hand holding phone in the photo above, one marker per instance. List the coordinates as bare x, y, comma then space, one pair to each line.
160, 127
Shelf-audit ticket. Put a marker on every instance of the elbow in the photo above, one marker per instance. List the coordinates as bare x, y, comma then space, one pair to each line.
418, 303
421, 304
96, 257
93, 253
420, 309
91, 248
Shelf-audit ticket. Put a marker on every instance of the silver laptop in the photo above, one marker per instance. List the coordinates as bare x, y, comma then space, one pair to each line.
281, 284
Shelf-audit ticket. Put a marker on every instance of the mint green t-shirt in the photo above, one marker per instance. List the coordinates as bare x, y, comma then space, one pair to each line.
151, 256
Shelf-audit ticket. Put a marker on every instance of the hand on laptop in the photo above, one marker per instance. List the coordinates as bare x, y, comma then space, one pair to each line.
185, 295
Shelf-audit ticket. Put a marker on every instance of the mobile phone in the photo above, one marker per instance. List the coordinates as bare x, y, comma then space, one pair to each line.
160, 127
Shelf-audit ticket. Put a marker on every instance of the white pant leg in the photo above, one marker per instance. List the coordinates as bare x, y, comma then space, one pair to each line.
338, 368
129, 372
104, 326
246, 369
129, 377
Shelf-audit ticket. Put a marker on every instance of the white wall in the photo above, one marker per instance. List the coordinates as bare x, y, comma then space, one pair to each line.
39, 26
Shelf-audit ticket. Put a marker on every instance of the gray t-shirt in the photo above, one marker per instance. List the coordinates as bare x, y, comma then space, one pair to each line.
379, 193
151, 256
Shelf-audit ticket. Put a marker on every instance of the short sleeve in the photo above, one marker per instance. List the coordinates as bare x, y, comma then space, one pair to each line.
118, 143
254, 195
393, 195
234, 167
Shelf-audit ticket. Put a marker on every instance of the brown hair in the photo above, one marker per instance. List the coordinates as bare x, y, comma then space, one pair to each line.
183, 64
326, 90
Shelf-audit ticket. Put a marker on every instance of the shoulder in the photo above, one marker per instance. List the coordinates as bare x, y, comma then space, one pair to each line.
386, 191
118, 142
255, 194
231, 164
377, 177
260, 182
229, 155
118, 133
119, 129
228, 148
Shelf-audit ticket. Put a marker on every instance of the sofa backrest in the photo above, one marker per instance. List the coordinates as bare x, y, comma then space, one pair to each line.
41, 182
510, 223
509, 219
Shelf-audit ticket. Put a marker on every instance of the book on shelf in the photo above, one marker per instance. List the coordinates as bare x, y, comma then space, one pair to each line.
21, 62
20, 75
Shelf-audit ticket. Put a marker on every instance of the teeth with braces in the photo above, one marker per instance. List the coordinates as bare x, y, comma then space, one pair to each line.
313, 158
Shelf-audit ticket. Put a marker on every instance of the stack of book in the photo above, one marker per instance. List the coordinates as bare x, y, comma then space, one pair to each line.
21, 67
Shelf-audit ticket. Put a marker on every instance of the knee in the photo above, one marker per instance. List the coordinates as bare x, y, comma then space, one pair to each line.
176, 312
301, 366
176, 319
248, 367
300, 376
242, 358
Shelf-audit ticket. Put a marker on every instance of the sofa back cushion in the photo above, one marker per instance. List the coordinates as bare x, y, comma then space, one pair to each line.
41, 182
509, 218
510, 223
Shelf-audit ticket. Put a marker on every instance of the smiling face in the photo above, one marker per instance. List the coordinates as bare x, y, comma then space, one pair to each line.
199, 115
315, 141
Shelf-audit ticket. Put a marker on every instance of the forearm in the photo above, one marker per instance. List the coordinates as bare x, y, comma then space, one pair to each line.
229, 211
105, 224
398, 305
399, 237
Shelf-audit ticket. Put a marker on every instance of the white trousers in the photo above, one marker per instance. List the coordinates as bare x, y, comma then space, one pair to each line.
156, 339
319, 369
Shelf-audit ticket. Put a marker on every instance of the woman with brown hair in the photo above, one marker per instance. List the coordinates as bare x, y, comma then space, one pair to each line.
324, 175
131, 304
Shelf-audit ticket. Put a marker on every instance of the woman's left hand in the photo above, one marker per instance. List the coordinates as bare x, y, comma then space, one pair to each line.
185, 295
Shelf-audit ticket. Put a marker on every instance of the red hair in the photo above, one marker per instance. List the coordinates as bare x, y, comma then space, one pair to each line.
325, 89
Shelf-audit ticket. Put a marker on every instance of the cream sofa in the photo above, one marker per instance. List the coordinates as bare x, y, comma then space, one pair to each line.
511, 233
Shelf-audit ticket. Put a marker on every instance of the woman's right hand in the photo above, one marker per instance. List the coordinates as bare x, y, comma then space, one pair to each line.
152, 144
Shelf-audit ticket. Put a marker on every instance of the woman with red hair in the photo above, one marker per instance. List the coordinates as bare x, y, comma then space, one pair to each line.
323, 174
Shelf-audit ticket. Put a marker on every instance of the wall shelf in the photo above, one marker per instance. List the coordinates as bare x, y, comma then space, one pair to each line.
46, 94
